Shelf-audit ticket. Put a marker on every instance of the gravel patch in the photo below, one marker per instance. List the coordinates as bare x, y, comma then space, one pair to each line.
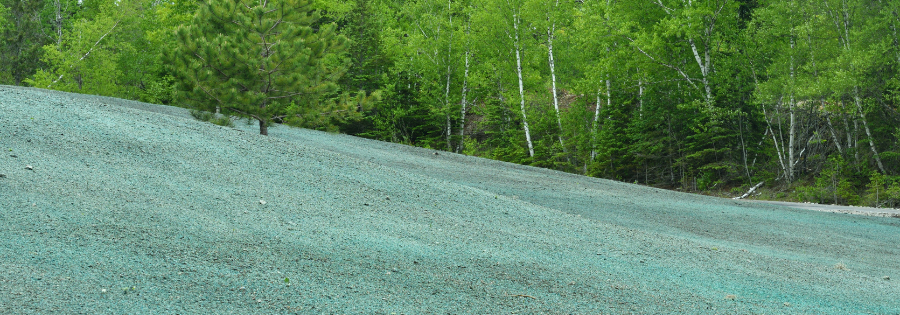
868, 211
110, 206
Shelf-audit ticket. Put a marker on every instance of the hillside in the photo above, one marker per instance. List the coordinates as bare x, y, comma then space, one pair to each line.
113, 206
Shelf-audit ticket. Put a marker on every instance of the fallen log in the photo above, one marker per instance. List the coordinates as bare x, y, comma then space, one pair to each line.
749, 192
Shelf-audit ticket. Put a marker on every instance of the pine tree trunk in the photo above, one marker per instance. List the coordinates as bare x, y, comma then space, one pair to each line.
263, 128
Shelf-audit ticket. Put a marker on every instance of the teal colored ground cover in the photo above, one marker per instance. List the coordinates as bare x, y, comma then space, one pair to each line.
137, 208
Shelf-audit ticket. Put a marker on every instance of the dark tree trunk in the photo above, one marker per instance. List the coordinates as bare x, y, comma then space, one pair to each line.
263, 128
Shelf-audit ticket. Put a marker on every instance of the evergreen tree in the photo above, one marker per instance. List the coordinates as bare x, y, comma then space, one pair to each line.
269, 61
4, 19
21, 40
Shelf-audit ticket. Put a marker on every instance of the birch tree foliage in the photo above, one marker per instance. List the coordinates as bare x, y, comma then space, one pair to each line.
261, 61
85, 60
692, 31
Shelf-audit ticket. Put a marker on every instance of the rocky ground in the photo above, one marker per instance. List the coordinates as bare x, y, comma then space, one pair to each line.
110, 206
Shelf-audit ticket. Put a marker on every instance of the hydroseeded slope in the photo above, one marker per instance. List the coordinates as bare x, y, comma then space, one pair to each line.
137, 208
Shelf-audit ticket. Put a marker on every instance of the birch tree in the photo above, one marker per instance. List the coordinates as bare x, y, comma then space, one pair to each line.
510, 11
463, 104
84, 59
551, 13
845, 18
694, 24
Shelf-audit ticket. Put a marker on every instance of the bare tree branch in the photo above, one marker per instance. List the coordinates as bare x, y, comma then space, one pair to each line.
688, 78
86, 54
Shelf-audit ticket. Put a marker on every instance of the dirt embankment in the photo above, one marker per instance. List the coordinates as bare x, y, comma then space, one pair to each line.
112, 206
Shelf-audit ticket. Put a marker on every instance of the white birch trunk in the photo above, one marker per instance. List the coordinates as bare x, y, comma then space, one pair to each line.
837, 141
463, 103
550, 32
58, 26
522, 86
85, 55
594, 129
779, 149
553, 80
447, 89
447, 106
792, 128
868, 133
640, 97
597, 117
704, 69
843, 24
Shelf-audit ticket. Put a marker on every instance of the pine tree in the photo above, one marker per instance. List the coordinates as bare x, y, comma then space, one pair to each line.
270, 61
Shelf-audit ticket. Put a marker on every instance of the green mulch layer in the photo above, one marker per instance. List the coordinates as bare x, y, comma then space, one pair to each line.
110, 206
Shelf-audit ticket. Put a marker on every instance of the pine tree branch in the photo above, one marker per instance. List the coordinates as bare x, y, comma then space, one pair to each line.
219, 71
284, 96
242, 112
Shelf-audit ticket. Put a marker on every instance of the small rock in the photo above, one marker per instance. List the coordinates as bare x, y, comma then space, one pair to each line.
13, 156
435, 153
262, 202
103, 291
730, 297
787, 304
29, 167
886, 278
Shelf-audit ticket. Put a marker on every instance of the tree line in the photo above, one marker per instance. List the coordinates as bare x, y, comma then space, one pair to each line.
712, 96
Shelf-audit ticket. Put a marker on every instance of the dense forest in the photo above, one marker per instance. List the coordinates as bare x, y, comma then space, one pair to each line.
797, 97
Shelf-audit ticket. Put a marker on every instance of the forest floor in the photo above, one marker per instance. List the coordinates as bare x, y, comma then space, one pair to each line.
110, 206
